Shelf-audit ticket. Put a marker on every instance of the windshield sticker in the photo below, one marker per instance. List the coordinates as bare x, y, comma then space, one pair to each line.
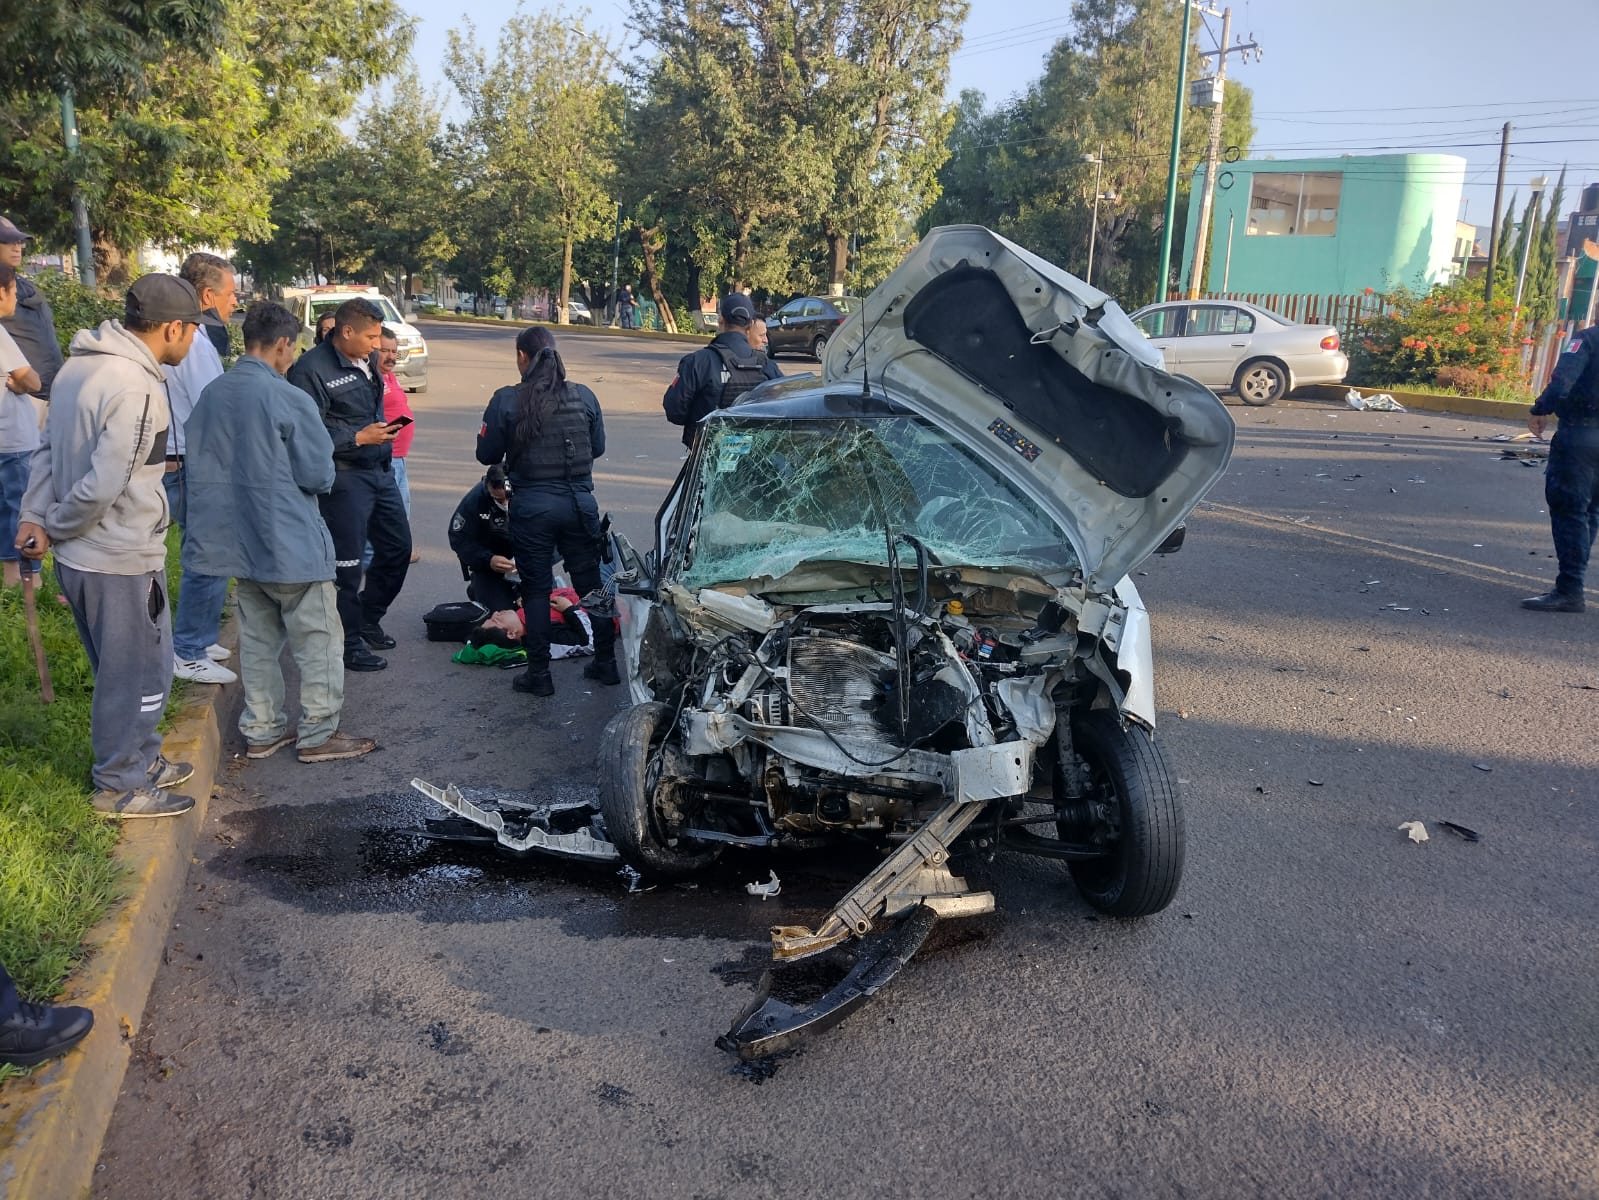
730, 449
1026, 448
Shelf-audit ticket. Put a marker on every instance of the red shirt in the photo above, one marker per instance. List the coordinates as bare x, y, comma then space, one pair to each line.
397, 404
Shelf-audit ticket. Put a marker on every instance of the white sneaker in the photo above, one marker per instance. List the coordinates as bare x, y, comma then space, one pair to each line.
217, 652
201, 670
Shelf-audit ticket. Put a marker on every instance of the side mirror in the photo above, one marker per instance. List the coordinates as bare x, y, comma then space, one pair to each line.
1174, 541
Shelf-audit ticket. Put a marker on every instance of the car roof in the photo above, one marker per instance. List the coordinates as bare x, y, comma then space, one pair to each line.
808, 398
1222, 300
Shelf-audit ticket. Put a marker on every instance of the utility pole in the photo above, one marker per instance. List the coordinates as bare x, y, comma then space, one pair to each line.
1493, 230
80, 207
1207, 199
616, 266
1533, 219
1164, 278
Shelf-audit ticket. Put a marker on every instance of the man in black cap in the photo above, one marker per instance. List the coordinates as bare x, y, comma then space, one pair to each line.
95, 496
718, 375
343, 376
33, 325
480, 535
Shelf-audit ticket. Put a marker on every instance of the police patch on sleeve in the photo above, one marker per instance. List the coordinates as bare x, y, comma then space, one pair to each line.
457, 523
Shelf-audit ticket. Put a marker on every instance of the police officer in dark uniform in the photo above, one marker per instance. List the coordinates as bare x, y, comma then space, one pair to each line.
1571, 479
548, 432
341, 374
480, 535
719, 374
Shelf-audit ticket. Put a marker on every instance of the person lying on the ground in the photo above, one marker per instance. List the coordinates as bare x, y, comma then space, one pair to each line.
570, 631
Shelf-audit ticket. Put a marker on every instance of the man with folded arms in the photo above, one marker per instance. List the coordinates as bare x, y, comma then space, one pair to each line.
259, 457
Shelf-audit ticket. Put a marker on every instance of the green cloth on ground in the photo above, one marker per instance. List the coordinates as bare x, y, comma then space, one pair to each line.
488, 656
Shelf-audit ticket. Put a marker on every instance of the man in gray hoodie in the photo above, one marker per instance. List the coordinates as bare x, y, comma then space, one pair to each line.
258, 458
95, 496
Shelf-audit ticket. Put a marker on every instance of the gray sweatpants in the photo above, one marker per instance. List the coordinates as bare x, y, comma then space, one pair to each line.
127, 633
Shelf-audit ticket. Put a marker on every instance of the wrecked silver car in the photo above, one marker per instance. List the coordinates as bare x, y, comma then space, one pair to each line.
891, 602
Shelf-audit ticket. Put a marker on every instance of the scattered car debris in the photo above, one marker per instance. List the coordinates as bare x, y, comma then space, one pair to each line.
1483, 767
1584, 687
767, 890
1414, 830
1314, 782
1469, 835
634, 881
1525, 457
1381, 402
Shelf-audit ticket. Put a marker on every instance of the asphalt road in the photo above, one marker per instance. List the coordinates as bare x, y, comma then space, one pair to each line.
1327, 1009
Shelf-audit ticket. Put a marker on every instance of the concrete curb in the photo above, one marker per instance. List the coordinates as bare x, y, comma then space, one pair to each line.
1460, 406
53, 1123
643, 335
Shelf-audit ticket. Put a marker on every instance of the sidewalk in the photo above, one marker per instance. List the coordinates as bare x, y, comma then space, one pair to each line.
52, 1123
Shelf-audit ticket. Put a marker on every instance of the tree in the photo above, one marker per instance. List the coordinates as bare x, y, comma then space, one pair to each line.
191, 154
1542, 302
1504, 265
100, 48
538, 142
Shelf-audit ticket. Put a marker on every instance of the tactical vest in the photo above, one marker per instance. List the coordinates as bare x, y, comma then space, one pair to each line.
563, 450
739, 374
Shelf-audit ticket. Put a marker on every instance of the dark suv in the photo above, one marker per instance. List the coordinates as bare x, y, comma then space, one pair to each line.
803, 326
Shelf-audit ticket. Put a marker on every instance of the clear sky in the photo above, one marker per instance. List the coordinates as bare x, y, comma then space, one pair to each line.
1358, 76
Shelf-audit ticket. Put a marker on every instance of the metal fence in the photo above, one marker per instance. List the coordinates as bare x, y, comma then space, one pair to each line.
1344, 313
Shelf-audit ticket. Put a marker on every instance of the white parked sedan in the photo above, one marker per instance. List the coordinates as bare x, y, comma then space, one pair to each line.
1234, 347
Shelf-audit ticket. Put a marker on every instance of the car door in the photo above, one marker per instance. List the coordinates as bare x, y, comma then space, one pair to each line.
1163, 326
780, 330
1215, 341
813, 320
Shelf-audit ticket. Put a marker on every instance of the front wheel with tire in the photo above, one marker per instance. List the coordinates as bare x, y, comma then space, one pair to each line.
1261, 381
819, 347
638, 799
1129, 777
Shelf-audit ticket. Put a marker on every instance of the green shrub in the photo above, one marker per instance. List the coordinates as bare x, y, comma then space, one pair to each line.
1420, 336
77, 307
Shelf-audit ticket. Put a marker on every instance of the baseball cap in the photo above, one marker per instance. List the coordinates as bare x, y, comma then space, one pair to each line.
163, 298
10, 234
736, 308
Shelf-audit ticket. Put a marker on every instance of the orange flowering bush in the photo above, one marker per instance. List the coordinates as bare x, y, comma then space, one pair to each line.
1447, 336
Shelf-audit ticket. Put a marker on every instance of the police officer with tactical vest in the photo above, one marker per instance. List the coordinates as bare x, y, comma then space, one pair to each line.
719, 374
548, 432
341, 374
1571, 479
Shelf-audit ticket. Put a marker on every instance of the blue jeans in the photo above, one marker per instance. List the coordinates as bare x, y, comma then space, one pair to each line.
197, 616
405, 496
13, 483
1571, 490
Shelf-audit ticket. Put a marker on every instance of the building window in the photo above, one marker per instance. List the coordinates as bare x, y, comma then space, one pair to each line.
1284, 203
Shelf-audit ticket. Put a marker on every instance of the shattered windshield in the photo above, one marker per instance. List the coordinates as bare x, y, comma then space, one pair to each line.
776, 495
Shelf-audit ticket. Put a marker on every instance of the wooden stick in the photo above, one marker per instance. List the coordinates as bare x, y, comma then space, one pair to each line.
47, 692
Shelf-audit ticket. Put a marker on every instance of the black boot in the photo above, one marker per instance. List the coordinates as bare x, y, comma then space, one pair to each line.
603, 670
1555, 602
362, 659
374, 636
36, 1032
534, 682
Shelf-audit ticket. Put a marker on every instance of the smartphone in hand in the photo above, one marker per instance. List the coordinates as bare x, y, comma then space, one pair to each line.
401, 421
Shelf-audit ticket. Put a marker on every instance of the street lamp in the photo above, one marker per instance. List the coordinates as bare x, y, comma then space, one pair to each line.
1539, 183
1093, 229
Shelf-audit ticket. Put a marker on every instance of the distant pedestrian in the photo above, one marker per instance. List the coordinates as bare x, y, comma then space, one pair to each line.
34, 1033
1571, 477
627, 308
32, 326
95, 497
719, 374
324, 326
19, 433
197, 650
397, 412
259, 456
343, 376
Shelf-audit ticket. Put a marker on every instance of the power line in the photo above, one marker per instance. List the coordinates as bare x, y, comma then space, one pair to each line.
1495, 105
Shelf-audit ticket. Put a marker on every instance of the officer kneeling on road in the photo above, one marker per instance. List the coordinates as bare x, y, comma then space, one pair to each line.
548, 432
719, 374
342, 375
1571, 480
480, 535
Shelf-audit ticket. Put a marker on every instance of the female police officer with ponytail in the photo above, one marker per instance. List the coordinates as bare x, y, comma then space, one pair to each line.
548, 432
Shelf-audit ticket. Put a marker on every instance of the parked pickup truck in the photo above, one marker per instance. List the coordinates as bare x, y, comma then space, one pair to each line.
310, 303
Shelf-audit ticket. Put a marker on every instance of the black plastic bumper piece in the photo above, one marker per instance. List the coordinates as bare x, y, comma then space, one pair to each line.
770, 1026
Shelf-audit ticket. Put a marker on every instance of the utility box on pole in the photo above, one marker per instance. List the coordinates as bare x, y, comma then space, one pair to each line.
1207, 93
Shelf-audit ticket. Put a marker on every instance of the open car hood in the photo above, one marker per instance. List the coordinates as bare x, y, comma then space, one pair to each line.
1047, 379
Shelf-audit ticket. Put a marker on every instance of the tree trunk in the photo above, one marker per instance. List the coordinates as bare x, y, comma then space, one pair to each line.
562, 314
652, 243
111, 266
837, 262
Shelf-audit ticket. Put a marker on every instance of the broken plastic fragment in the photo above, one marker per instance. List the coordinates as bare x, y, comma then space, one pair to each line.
1415, 830
633, 879
1470, 835
1482, 766
765, 890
